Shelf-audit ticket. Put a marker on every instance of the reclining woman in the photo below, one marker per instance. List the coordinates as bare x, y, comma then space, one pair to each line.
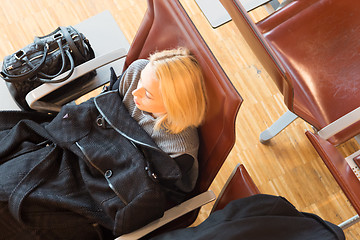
110, 164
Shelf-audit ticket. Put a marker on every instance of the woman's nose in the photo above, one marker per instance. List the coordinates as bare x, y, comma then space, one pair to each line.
137, 92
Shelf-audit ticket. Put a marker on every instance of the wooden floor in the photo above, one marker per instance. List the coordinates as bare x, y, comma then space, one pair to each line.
288, 166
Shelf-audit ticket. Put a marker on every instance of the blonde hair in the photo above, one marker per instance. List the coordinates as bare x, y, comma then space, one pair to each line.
182, 87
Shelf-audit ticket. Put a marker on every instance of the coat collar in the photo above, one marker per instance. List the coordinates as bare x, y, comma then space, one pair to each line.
111, 107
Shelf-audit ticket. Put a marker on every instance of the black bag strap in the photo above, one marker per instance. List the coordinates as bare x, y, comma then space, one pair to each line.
21, 77
48, 78
73, 47
78, 55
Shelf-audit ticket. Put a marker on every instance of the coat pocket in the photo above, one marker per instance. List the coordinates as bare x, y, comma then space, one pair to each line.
119, 180
145, 208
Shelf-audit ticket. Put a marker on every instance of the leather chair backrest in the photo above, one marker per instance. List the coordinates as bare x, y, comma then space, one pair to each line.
261, 48
338, 167
239, 185
165, 26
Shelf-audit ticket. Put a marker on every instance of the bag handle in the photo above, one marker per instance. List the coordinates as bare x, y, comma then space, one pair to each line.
73, 47
48, 78
17, 78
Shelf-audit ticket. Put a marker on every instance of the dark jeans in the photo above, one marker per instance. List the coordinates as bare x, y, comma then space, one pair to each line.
43, 223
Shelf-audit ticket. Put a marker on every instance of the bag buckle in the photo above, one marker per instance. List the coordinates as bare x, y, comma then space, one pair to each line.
20, 54
57, 36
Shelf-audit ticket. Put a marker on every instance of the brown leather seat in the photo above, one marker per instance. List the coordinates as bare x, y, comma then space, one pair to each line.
238, 185
166, 25
310, 48
340, 169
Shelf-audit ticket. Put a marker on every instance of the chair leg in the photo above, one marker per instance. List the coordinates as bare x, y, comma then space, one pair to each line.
287, 118
357, 138
349, 222
272, 6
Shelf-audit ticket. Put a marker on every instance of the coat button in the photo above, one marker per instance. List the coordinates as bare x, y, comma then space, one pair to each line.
154, 176
108, 173
100, 121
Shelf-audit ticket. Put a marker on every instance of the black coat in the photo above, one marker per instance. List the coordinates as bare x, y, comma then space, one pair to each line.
92, 159
259, 217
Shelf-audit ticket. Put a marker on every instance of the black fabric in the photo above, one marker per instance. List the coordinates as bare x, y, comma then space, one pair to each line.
259, 217
96, 157
114, 80
46, 223
185, 163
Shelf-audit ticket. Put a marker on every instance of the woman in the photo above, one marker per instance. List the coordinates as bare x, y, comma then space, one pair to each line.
111, 162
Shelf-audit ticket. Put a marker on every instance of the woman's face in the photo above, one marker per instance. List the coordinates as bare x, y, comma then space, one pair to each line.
147, 95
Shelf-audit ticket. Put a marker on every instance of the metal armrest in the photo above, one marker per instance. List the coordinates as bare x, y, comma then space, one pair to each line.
32, 98
340, 124
171, 214
250, 5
